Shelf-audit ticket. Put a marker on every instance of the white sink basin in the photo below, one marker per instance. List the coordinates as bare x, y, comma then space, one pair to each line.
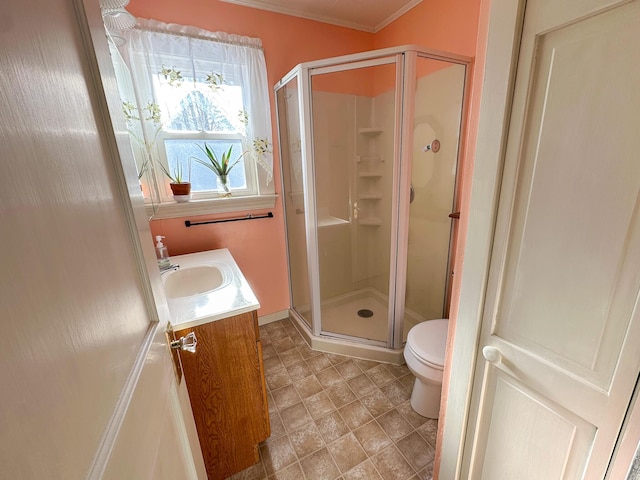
189, 281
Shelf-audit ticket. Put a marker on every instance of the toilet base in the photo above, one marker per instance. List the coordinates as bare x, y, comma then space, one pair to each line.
425, 399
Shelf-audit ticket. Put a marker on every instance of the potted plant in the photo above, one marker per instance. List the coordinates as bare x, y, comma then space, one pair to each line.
180, 188
221, 167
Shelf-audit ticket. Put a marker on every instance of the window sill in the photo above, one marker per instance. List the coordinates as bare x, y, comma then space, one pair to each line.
210, 206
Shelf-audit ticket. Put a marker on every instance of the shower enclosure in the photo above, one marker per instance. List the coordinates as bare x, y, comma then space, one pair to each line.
369, 145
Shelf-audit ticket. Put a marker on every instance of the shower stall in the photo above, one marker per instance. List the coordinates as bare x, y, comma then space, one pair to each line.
369, 145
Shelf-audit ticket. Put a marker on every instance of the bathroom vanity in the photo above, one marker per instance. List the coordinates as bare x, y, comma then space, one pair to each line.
225, 374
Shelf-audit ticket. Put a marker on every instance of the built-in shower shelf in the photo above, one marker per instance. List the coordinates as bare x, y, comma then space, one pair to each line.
370, 196
324, 222
371, 131
369, 174
370, 222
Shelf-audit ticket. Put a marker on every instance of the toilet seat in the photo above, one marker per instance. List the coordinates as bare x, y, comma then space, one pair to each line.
428, 341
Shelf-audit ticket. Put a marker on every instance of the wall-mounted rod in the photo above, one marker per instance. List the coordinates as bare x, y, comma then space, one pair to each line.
189, 223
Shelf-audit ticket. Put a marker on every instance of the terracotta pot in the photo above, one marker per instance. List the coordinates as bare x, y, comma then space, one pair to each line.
180, 188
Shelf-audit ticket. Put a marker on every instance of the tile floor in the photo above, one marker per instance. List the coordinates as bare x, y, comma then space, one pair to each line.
335, 417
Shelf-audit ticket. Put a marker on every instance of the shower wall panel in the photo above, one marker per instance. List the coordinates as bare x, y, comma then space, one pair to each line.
438, 107
334, 149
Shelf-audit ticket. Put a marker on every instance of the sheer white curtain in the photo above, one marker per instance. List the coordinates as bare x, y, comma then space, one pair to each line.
163, 55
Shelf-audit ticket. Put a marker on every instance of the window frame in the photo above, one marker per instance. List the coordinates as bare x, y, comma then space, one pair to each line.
250, 166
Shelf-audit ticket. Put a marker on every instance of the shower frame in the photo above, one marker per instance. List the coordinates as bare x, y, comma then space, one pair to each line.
405, 57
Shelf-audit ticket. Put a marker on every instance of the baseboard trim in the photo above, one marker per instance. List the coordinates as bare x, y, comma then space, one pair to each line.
273, 317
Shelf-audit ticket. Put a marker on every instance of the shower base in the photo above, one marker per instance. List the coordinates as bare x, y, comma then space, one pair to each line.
345, 331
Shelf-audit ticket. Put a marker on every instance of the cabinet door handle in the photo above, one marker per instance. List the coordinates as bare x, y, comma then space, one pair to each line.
187, 343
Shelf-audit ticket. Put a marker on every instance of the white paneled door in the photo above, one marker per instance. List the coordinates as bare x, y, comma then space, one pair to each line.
86, 381
558, 356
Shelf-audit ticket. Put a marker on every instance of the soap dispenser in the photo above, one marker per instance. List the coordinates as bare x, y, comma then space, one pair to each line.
162, 254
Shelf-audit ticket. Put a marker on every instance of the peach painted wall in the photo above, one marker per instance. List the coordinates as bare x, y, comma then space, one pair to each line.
258, 246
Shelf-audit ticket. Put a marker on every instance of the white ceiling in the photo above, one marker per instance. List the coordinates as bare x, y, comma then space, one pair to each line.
366, 15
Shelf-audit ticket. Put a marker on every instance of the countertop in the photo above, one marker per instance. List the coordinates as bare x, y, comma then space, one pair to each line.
232, 299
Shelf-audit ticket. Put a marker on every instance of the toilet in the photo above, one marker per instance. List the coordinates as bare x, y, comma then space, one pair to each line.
424, 353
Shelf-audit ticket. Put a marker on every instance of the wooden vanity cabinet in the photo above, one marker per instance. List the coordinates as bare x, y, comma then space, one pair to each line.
227, 391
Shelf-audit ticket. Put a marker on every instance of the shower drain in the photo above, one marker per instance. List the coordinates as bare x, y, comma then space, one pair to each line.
365, 313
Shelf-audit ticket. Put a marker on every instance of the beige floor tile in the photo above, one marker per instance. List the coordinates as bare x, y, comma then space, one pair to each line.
372, 438
407, 381
329, 377
290, 357
277, 427
306, 440
307, 352
278, 334
269, 327
355, 414
319, 363
268, 352
347, 452
271, 403
394, 425
335, 359
361, 385
319, 466
272, 364
286, 396
278, 379
341, 394
277, 454
426, 473
298, 341
291, 331
282, 344
319, 405
416, 450
308, 386
377, 403
397, 370
255, 472
292, 472
322, 409
396, 392
364, 471
299, 370
414, 418
380, 375
295, 417
429, 431
348, 369
365, 365
392, 465
332, 426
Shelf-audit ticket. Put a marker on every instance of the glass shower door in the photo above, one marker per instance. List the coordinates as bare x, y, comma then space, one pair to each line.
354, 110
288, 108
436, 131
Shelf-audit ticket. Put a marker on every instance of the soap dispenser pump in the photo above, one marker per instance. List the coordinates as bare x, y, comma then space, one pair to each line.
162, 254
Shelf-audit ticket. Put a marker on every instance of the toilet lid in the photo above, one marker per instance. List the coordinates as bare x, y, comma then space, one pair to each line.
428, 340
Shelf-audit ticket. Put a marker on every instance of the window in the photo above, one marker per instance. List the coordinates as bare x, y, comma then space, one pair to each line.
192, 88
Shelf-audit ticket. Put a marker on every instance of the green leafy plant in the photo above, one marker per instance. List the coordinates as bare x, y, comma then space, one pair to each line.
221, 167
177, 176
143, 168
